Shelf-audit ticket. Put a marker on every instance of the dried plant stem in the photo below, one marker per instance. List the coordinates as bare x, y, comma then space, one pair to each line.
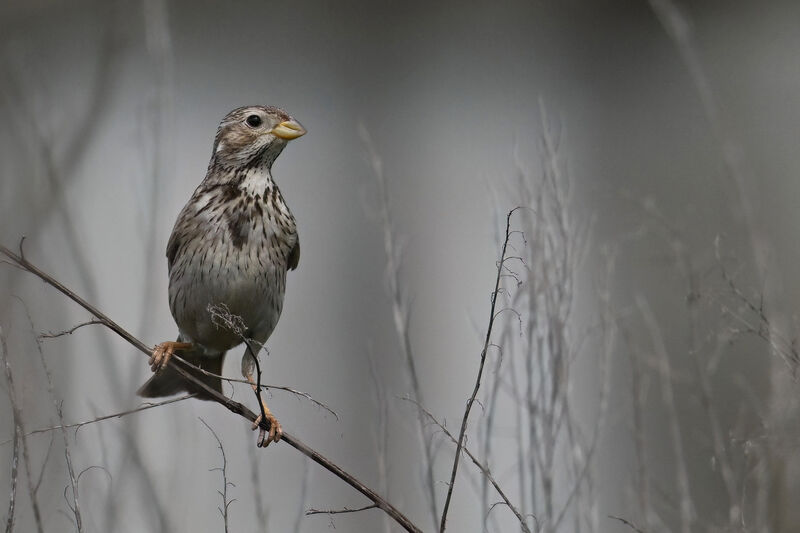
105, 417
20, 443
487, 474
226, 503
255, 479
76, 508
626, 523
233, 406
686, 507
400, 314
462, 432
13, 492
345, 510
12, 499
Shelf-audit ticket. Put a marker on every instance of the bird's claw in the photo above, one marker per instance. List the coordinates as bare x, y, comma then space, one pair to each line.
163, 352
275, 431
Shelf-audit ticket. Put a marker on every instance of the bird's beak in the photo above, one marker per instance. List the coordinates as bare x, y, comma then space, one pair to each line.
289, 129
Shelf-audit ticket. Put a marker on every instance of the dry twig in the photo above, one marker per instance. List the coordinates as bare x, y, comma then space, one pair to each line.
463, 431
226, 503
15, 457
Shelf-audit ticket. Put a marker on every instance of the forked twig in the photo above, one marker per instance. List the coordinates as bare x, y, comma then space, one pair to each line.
487, 474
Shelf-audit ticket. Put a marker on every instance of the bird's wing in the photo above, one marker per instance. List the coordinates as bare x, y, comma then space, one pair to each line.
173, 245
294, 255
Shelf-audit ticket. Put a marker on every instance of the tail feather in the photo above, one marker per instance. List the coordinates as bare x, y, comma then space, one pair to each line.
168, 381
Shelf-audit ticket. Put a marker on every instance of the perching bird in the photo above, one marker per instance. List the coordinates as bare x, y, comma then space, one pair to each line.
230, 249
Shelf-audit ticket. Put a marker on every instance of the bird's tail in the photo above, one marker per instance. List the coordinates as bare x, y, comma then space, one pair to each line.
168, 381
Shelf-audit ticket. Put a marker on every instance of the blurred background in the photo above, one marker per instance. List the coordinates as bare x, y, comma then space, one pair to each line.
641, 374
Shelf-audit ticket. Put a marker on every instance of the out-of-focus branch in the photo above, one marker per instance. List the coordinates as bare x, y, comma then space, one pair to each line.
76, 509
464, 420
79, 425
400, 313
12, 498
226, 402
626, 522
381, 435
686, 507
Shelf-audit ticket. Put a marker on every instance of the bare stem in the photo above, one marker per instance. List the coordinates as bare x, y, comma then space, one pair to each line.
226, 503
345, 510
104, 417
464, 420
15, 458
487, 474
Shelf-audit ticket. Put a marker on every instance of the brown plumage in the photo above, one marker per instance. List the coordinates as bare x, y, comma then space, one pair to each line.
230, 249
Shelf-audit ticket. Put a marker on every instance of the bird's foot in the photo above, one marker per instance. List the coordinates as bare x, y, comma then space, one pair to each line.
275, 430
163, 352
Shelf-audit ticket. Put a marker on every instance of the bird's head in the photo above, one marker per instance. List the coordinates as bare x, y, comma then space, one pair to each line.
253, 136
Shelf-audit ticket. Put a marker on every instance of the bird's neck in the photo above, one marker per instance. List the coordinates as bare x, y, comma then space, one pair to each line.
256, 181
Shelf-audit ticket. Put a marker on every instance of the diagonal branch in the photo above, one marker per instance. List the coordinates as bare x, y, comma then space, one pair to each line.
487, 474
463, 431
233, 406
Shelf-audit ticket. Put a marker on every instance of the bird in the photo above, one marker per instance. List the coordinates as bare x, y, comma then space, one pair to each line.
230, 249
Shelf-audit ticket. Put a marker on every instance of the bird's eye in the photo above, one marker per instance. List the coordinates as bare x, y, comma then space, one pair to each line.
253, 121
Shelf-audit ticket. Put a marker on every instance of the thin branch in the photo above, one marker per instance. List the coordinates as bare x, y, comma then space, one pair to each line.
626, 522
224, 492
52, 335
345, 510
482, 467
13, 493
20, 441
298, 522
12, 499
79, 425
681, 473
226, 402
477, 387
75, 507
255, 479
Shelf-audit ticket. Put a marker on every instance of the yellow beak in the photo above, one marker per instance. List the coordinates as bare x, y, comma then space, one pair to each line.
289, 129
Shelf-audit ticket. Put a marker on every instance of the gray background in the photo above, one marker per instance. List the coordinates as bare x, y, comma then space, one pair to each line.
108, 114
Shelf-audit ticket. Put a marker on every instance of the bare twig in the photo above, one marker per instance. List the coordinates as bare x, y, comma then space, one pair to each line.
298, 521
13, 492
345, 510
226, 503
626, 522
229, 404
52, 335
20, 441
255, 480
487, 474
463, 431
12, 499
75, 507
79, 425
